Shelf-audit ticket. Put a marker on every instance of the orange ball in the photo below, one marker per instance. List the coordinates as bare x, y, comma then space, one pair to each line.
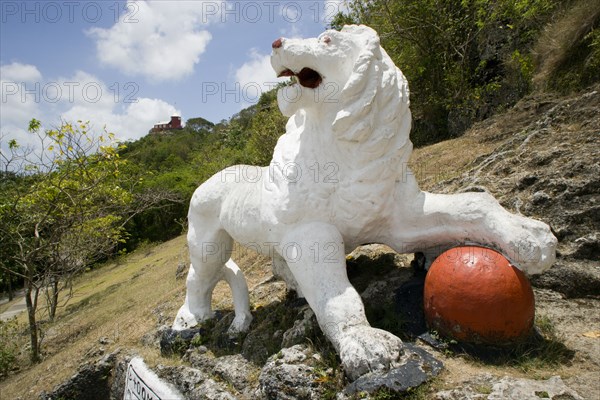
473, 294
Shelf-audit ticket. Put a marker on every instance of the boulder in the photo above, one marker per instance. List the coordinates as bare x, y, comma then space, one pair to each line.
418, 366
488, 387
290, 375
91, 382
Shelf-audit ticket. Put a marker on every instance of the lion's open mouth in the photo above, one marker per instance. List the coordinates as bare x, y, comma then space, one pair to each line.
307, 77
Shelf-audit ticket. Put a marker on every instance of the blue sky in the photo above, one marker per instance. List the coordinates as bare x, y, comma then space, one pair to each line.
129, 64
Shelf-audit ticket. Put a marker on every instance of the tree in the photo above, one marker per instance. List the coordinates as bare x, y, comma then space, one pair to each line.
63, 209
267, 125
464, 60
198, 125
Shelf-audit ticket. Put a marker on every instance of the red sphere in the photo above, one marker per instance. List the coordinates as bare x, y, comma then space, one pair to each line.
473, 294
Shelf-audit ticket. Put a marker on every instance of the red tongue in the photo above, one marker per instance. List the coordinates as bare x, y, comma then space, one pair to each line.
287, 72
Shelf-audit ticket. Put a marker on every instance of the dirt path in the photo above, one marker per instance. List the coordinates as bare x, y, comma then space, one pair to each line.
15, 308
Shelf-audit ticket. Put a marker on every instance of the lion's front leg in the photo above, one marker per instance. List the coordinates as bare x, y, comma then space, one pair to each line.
315, 255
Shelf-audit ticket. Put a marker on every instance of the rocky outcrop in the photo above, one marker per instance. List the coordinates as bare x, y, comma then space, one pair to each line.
543, 162
93, 381
418, 367
545, 165
488, 387
292, 374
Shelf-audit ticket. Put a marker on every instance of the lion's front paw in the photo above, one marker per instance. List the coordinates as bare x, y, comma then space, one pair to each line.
364, 349
185, 319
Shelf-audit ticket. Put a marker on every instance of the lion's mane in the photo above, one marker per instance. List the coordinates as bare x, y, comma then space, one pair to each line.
365, 134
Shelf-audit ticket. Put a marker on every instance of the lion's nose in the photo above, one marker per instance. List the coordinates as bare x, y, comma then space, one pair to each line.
277, 44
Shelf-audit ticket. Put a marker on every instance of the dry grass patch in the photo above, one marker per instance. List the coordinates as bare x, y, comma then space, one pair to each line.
446, 160
117, 302
559, 37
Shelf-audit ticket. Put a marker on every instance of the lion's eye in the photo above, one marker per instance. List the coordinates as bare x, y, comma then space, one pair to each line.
326, 39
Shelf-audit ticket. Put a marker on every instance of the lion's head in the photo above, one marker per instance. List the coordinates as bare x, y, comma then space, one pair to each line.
347, 80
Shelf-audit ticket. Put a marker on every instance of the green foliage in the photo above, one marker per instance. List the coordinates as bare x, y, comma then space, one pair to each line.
10, 332
265, 128
63, 207
70, 203
464, 60
198, 125
182, 160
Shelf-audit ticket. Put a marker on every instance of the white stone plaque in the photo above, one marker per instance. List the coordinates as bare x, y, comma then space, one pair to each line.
143, 384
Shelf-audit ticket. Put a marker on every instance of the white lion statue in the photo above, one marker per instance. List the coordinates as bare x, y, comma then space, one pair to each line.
339, 179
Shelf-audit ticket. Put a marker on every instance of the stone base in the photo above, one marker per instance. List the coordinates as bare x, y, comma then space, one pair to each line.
419, 367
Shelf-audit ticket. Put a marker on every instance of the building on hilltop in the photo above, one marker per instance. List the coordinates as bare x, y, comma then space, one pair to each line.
173, 124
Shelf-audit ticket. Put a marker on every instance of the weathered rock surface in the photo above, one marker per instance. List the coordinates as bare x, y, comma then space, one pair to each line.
487, 387
305, 326
236, 370
546, 166
92, 382
571, 279
417, 368
291, 374
184, 378
172, 341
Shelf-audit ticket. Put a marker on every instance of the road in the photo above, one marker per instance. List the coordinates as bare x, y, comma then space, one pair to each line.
16, 308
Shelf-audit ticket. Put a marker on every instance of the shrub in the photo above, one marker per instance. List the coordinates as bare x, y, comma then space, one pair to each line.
9, 345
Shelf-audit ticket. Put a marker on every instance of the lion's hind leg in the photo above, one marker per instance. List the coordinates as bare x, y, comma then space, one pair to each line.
210, 252
439, 221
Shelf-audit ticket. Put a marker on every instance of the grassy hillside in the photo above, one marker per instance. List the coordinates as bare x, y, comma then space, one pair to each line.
121, 303
114, 307
538, 158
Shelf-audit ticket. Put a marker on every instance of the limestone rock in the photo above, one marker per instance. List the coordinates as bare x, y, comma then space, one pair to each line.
117, 388
303, 327
211, 390
571, 279
235, 370
177, 342
487, 387
184, 378
91, 382
290, 375
528, 389
418, 367
255, 346
198, 358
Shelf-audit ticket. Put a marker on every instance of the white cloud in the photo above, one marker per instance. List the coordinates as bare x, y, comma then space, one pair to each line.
128, 121
256, 76
291, 32
79, 97
17, 105
159, 40
18, 72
